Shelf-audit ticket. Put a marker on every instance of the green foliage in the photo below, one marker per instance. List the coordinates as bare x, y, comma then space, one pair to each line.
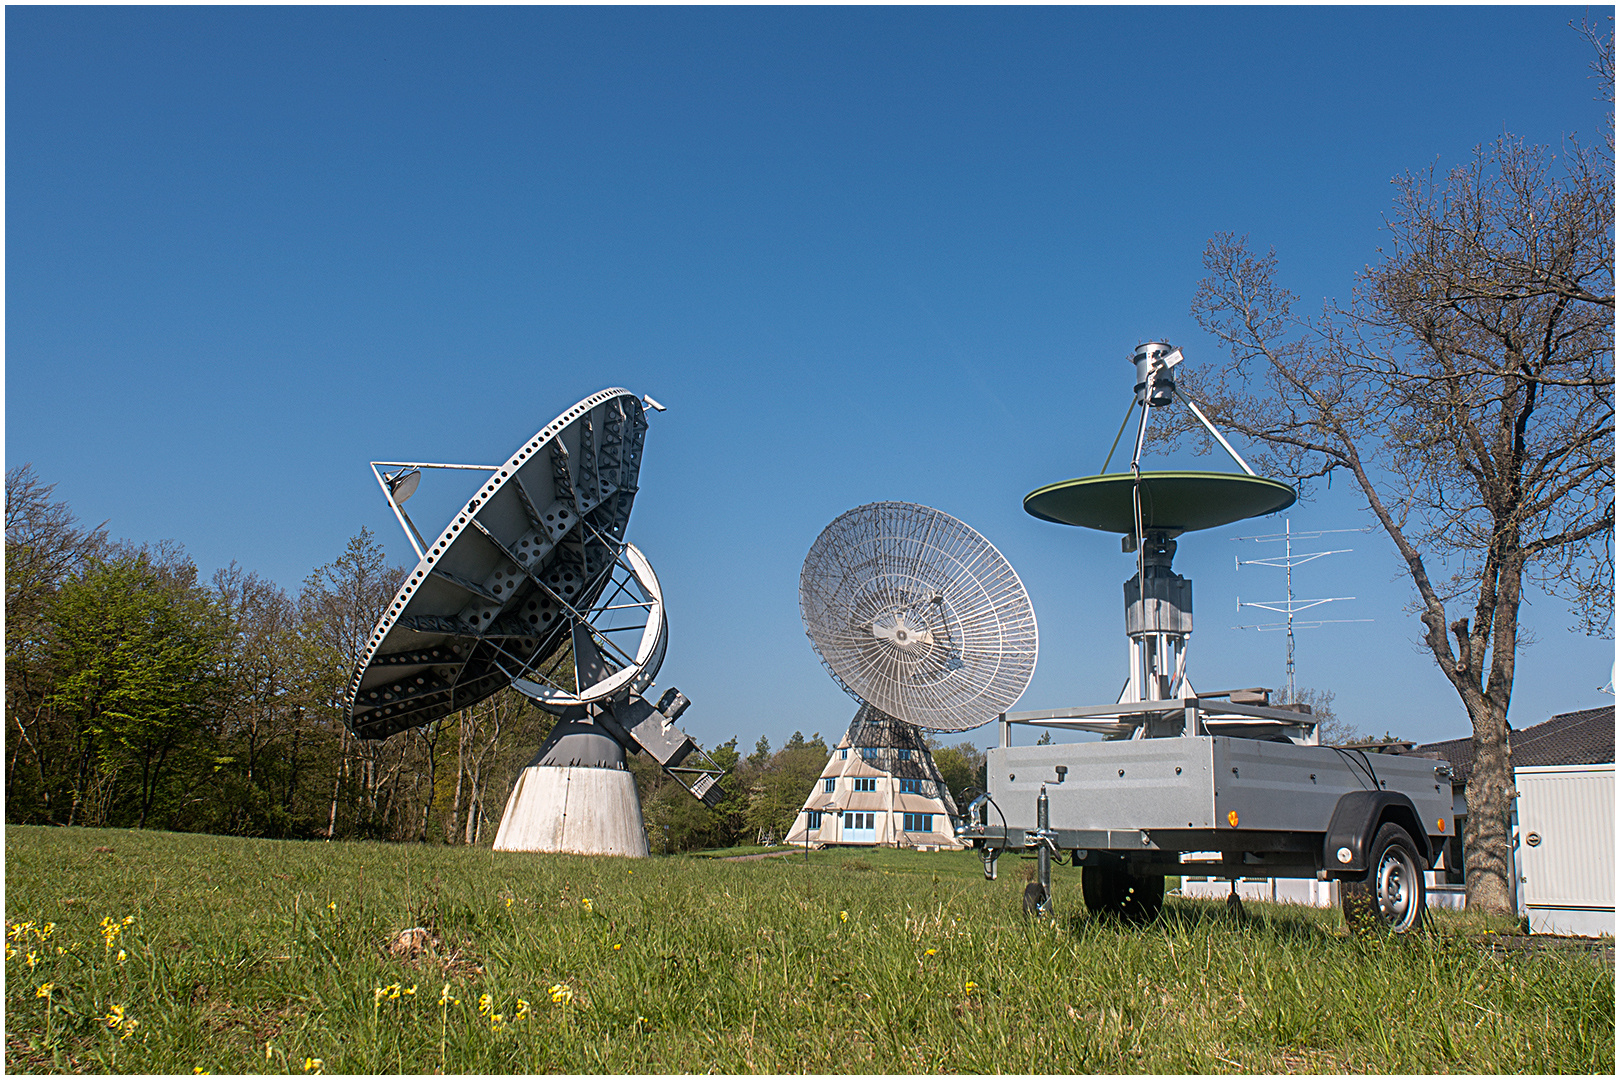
252, 956
960, 766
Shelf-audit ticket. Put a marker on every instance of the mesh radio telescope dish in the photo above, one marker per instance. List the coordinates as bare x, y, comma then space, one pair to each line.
918, 615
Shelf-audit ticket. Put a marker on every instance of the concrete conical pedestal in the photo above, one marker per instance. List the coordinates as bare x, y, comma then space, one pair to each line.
576, 797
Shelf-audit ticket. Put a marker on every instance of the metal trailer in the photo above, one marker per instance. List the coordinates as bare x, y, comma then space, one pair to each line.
1245, 801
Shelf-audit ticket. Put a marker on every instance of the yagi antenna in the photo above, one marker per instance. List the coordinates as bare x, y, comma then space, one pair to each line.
1292, 606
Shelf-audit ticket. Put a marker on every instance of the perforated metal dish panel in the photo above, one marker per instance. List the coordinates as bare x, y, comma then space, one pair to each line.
918, 615
474, 611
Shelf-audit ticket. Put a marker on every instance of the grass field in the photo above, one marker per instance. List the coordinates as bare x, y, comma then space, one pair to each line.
231, 955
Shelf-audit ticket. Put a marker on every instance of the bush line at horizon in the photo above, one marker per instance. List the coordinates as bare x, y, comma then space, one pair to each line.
236, 955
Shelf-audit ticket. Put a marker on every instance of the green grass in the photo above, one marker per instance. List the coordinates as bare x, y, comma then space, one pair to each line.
871, 961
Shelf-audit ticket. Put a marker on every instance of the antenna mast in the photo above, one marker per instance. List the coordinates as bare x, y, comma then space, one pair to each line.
1292, 606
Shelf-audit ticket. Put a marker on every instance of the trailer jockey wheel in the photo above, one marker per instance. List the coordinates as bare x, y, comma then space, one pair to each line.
989, 855
1391, 896
1113, 890
1034, 899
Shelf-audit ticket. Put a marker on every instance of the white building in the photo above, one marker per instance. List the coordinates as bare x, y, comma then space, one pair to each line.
880, 787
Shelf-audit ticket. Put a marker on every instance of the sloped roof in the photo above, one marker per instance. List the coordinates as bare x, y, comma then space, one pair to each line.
1583, 737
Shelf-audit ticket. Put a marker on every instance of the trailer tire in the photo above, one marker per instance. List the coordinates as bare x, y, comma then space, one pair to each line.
1391, 896
1112, 890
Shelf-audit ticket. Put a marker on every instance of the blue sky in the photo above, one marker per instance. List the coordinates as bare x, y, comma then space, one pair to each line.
861, 254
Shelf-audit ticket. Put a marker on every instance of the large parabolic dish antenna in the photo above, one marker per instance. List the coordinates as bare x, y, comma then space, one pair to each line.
532, 585
524, 568
916, 614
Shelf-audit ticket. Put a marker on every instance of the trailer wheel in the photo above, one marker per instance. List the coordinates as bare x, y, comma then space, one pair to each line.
1112, 890
1392, 895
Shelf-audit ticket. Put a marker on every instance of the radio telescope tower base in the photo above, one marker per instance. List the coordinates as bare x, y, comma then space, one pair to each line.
575, 809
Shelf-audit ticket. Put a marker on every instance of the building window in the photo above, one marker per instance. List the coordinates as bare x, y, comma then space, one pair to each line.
866, 783
858, 820
905, 755
917, 822
815, 819
827, 784
869, 752
910, 787
843, 755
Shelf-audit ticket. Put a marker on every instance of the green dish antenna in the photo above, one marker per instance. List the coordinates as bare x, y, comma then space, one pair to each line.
1149, 509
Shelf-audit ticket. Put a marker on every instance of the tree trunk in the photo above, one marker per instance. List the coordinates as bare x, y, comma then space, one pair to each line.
461, 769
337, 782
1488, 867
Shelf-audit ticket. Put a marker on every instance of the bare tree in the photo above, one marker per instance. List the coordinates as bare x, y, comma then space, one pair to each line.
1468, 391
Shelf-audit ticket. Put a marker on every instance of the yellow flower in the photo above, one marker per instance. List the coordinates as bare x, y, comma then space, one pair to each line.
268, 1050
115, 1016
32, 959
843, 916
522, 1010
509, 902
486, 1004
617, 947
129, 920
410, 991
45, 989
970, 986
129, 1027
329, 907
560, 994
198, 1070
10, 952
377, 995
587, 903
60, 951
393, 991
122, 956
46, 931
445, 998
930, 952
313, 1065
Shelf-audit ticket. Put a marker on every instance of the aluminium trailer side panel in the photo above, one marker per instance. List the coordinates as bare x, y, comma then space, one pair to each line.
1128, 787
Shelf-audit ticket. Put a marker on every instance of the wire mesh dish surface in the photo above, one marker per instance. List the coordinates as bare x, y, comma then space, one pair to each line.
916, 614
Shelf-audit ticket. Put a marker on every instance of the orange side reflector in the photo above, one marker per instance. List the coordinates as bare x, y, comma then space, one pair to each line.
1442, 824
1231, 818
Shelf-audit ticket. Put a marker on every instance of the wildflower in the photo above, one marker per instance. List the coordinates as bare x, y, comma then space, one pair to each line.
522, 1010
46, 931
313, 1065
129, 920
129, 1027
61, 951
122, 956
44, 990
10, 952
969, 986
587, 903
843, 916
444, 996
486, 1005
198, 1070
332, 907
509, 901
268, 1050
560, 994
378, 994
32, 959
617, 947
410, 991
930, 952
115, 1016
